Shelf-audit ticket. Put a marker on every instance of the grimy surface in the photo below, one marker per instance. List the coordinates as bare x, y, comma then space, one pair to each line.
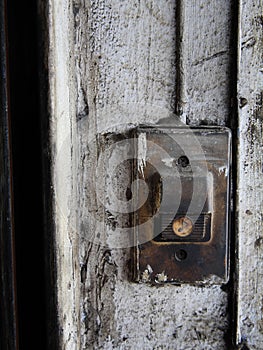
111, 64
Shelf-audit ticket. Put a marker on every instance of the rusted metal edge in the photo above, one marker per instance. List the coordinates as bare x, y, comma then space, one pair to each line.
152, 245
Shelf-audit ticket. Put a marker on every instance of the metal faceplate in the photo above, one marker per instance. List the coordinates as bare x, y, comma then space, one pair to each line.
181, 225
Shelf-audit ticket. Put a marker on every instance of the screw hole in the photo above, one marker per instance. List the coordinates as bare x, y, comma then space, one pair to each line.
180, 255
183, 161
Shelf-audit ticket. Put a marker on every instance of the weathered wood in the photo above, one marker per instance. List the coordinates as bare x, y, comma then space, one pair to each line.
205, 61
250, 194
112, 63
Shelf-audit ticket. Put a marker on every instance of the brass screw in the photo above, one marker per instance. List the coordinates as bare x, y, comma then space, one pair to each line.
182, 226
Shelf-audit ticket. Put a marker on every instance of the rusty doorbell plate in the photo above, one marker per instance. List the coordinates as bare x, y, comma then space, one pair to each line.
181, 224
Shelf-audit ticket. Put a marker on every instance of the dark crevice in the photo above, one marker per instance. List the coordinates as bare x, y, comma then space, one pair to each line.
232, 122
8, 312
27, 172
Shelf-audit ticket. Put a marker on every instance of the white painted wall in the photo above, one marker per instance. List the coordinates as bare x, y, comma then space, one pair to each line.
112, 63
250, 189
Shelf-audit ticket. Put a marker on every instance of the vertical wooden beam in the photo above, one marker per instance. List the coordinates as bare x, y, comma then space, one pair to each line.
250, 192
113, 63
205, 61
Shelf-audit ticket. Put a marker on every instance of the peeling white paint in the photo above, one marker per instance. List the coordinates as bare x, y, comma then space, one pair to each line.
146, 275
142, 152
149, 268
161, 277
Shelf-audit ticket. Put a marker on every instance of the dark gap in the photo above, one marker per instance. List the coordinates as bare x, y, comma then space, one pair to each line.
233, 124
27, 172
8, 312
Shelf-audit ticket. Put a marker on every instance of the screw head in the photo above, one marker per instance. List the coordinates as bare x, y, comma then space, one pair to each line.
180, 255
183, 161
182, 226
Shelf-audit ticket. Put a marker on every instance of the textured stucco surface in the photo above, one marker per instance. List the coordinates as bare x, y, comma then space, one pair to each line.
250, 189
112, 63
